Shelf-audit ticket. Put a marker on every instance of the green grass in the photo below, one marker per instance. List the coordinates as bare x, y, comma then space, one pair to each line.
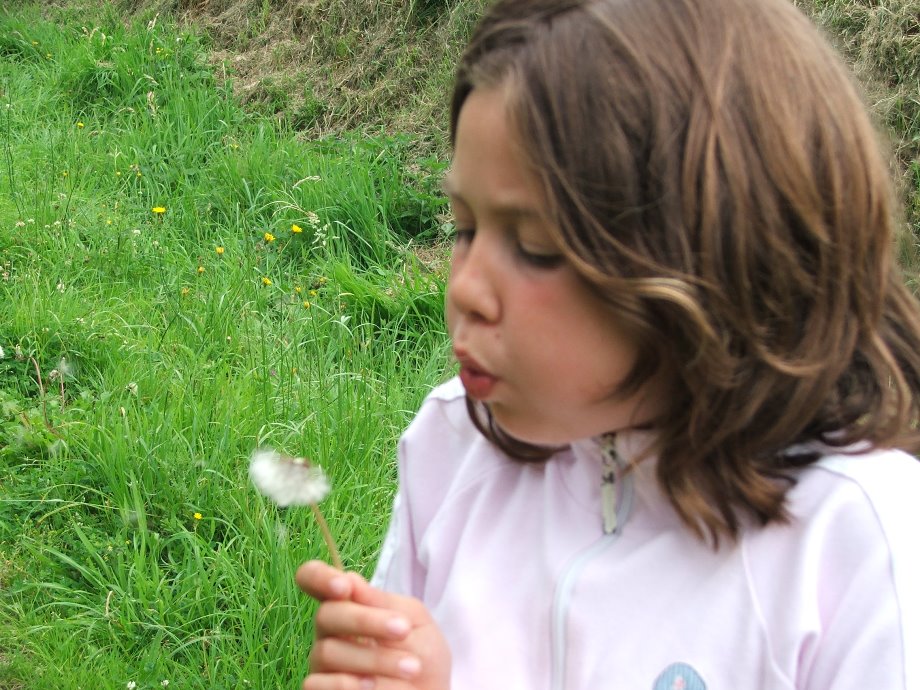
882, 43
141, 367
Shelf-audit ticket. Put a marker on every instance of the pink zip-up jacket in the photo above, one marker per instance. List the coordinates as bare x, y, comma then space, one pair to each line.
514, 562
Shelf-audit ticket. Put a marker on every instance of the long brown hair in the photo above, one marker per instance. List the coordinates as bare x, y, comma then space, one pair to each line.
714, 175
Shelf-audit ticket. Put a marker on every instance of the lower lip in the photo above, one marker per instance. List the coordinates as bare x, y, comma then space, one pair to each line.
477, 384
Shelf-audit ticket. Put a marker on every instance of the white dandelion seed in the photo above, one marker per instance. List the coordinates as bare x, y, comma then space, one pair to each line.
65, 367
294, 481
287, 481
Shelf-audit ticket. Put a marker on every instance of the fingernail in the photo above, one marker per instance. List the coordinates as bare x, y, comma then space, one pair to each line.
398, 626
409, 666
338, 586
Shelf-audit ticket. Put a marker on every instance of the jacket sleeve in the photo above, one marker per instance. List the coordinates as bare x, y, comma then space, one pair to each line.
866, 568
869, 594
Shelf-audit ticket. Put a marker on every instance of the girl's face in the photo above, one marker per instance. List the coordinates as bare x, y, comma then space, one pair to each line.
533, 341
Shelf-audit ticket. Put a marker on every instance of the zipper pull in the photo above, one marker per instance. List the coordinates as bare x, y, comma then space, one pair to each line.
610, 460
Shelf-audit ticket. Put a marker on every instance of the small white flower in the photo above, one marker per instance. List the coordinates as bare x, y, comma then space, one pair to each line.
286, 480
17, 352
2, 353
131, 685
164, 682
132, 388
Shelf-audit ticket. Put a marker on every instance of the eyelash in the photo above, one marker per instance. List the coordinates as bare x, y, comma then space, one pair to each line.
544, 261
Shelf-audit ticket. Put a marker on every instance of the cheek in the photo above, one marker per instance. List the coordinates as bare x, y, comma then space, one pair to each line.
450, 312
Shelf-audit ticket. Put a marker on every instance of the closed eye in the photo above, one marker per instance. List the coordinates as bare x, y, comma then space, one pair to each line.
540, 260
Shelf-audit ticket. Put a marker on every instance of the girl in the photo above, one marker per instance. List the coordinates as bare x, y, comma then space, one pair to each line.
686, 357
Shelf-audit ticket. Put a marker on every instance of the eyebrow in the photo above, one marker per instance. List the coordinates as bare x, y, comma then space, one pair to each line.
511, 209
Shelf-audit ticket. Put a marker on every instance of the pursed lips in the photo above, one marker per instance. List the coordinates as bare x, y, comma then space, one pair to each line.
477, 381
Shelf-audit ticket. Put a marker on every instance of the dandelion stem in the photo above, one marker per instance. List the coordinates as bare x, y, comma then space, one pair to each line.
327, 537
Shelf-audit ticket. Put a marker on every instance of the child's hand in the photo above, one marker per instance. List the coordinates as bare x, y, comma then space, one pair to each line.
367, 638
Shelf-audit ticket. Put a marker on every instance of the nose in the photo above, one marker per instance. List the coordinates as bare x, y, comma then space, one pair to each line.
472, 289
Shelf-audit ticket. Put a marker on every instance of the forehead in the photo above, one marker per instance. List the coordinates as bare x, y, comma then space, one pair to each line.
488, 165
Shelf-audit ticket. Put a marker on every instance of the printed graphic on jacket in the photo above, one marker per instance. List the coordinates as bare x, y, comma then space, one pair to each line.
679, 677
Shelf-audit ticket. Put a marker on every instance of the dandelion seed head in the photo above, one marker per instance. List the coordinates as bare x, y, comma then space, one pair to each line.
65, 367
2, 353
287, 481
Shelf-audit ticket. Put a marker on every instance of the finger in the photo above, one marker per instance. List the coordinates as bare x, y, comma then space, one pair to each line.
321, 581
341, 681
363, 593
348, 619
337, 655
338, 681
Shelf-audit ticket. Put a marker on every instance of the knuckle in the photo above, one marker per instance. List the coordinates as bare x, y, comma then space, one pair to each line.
320, 654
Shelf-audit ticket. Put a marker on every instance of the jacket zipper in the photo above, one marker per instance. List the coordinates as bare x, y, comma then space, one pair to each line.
614, 516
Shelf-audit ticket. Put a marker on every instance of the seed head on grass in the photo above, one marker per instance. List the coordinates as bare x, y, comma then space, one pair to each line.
290, 481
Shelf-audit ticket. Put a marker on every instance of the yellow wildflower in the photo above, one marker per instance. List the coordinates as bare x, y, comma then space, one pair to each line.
197, 516
312, 293
306, 304
296, 229
266, 280
80, 125
219, 250
297, 289
269, 237
184, 291
159, 209
200, 270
